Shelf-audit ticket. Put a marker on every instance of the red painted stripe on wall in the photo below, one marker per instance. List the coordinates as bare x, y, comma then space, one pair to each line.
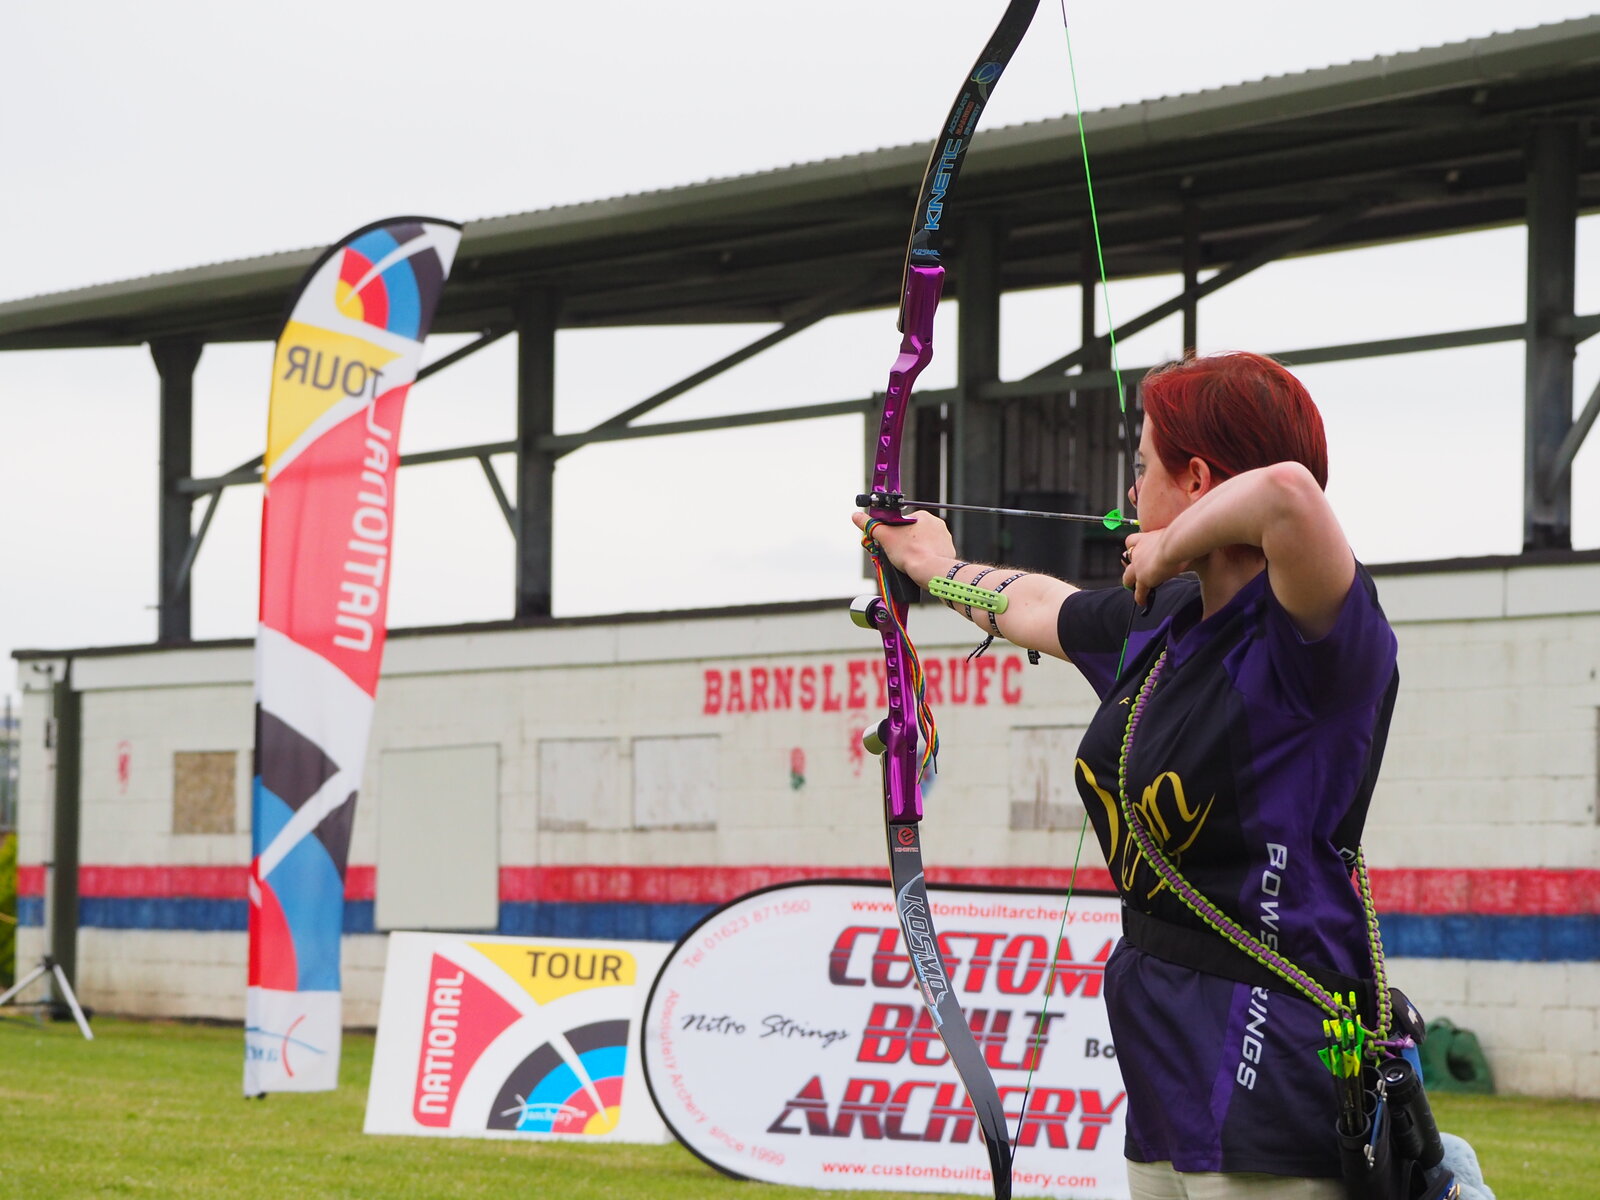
1421, 891
170, 883
1506, 892
595, 884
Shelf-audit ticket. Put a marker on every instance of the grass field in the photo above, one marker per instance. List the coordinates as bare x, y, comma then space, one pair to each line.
153, 1109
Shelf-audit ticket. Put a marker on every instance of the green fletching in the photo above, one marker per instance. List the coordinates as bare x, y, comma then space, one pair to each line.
965, 593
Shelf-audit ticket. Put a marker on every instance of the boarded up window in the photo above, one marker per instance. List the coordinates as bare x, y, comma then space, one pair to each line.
580, 785
675, 783
203, 791
1044, 794
439, 839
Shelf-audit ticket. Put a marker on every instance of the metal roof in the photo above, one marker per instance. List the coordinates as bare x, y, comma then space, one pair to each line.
1428, 141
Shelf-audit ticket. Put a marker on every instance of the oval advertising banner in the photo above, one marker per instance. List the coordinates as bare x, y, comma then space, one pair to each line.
785, 1040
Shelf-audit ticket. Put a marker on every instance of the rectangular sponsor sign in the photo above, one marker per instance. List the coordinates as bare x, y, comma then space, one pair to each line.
483, 1036
786, 1041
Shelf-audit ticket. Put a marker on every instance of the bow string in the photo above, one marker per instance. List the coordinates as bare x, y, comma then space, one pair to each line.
906, 740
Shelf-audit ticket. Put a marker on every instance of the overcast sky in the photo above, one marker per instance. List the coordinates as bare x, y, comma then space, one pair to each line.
152, 137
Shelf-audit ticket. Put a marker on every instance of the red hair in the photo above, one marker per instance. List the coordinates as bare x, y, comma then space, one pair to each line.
1237, 412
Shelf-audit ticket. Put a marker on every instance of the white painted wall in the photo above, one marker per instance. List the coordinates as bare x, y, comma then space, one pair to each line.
1491, 763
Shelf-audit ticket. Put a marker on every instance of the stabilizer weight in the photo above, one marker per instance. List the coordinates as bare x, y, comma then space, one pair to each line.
867, 611
875, 738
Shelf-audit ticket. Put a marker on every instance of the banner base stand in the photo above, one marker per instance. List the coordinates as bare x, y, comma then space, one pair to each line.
49, 966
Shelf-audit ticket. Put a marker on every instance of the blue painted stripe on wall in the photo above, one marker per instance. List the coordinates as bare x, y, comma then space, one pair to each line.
1502, 939
192, 915
1405, 935
629, 922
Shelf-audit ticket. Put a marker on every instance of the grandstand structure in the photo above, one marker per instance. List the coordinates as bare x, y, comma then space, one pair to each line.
1220, 183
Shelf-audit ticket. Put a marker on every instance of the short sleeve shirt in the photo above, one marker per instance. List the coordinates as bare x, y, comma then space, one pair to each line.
1252, 765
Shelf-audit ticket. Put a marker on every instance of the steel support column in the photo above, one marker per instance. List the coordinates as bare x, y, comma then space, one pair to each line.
1553, 150
537, 313
1191, 275
975, 426
175, 360
63, 916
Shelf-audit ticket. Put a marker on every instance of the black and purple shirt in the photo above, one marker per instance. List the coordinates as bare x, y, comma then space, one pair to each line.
1253, 764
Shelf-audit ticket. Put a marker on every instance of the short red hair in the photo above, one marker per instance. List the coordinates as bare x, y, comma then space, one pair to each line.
1236, 411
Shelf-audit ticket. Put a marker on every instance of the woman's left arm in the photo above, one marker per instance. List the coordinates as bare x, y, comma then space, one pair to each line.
1279, 509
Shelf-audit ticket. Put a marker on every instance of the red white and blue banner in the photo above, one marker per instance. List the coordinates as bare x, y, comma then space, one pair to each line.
527, 1038
346, 357
785, 1041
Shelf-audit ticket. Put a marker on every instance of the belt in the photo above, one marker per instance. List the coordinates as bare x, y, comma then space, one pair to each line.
1209, 952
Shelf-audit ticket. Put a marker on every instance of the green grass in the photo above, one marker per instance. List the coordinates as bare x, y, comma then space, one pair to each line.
154, 1109
1549, 1149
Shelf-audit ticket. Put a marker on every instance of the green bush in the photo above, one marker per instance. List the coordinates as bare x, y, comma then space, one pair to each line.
8, 910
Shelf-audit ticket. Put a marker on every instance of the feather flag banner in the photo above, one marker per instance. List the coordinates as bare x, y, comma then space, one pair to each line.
346, 358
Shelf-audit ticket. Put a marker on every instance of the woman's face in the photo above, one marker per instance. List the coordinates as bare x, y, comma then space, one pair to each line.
1155, 495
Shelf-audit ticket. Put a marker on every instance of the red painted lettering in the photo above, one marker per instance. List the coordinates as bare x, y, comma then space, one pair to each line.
808, 688
958, 680
858, 676
1010, 683
758, 689
783, 687
713, 701
735, 691
986, 669
831, 700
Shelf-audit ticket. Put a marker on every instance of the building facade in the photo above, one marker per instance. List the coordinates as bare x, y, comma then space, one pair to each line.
620, 777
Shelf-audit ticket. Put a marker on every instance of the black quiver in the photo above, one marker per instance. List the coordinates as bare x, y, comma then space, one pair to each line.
1396, 1155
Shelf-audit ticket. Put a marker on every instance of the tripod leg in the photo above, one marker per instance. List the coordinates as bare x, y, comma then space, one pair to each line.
72, 1001
24, 982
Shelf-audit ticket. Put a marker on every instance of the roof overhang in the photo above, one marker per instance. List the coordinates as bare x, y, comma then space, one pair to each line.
1426, 142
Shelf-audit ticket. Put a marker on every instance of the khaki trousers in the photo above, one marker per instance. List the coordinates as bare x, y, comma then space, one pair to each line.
1158, 1181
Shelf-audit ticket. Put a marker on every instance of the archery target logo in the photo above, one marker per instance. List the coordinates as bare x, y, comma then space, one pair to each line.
574, 1089
390, 278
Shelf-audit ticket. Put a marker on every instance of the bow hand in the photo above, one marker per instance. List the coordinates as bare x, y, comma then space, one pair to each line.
916, 547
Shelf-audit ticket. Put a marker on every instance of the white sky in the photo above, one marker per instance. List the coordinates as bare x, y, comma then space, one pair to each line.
151, 137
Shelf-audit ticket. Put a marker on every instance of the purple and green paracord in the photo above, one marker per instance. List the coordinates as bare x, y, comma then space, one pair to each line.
1240, 938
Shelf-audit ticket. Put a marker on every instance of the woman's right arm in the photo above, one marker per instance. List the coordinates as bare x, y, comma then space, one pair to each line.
925, 551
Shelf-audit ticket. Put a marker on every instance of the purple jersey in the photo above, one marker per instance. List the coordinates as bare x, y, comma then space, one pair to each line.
1252, 766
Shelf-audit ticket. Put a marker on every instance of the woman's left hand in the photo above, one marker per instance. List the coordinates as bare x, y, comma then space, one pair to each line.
1146, 566
919, 548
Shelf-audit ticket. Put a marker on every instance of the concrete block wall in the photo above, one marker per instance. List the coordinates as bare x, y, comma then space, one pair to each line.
1491, 769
